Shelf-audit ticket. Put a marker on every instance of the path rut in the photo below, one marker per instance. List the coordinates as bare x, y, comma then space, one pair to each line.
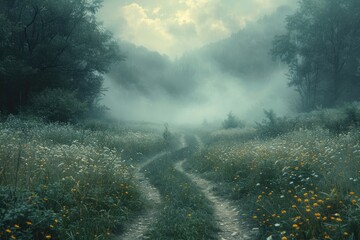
142, 223
226, 214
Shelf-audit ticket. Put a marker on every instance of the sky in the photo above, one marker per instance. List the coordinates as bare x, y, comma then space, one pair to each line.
173, 27
187, 60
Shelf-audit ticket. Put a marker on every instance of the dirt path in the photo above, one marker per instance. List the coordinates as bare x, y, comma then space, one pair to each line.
226, 214
141, 224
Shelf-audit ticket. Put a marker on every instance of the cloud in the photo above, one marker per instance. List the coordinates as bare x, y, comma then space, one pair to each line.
188, 60
234, 74
173, 27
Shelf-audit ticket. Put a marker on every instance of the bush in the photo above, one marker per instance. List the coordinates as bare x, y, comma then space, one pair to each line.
57, 105
274, 126
232, 122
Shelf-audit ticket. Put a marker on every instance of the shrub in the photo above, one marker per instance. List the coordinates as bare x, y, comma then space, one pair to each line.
232, 122
273, 126
57, 105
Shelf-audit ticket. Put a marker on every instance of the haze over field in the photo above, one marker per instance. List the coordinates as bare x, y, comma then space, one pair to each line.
187, 61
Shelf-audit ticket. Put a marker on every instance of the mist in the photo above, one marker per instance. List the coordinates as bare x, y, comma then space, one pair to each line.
233, 74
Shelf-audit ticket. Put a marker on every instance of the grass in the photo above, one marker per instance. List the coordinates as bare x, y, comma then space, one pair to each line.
186, 214
301, 185
67, 182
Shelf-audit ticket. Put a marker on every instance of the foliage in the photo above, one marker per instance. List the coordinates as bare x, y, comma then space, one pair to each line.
167, 136
273, 126
321, 49
300, 185
67, 182
25, 216
232, 122
57, 105
52, 44
336, 120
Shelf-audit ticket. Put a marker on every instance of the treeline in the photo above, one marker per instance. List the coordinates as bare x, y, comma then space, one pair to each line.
52, 56
321, 46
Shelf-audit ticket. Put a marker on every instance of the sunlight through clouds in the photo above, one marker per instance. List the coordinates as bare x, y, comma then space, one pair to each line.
176, 26
144, 30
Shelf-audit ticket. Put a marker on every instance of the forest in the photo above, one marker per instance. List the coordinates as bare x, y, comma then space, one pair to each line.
180, 120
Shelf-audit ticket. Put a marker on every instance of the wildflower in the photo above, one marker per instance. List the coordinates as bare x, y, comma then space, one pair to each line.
338, 219
48, 236
28, 222
351, 193
284, 238
353, 201
8, 231
295, 226
315, 204
283, 211
12, 237
293, 206
16, 226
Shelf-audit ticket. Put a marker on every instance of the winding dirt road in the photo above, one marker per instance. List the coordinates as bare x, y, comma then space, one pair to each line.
226, 214
142, 223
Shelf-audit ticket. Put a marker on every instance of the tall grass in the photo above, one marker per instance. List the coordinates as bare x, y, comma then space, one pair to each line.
300, 185
66, 182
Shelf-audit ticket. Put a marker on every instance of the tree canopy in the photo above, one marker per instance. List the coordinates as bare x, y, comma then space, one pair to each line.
322, 49
47, 44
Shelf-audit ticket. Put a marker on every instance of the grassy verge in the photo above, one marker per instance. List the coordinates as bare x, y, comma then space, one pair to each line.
187, 214
65, 182
301, 185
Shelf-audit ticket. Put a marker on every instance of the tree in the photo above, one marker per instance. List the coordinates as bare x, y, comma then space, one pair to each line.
232, 122
52, 45
320, 46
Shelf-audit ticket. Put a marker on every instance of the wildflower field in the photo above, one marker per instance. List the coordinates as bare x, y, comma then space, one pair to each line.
300, 185
68, 182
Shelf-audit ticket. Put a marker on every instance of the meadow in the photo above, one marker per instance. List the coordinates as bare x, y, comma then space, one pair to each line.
300, 184
60, 181
289, 178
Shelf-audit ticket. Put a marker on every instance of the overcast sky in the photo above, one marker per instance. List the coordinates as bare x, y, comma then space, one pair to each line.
189, 60
173, 27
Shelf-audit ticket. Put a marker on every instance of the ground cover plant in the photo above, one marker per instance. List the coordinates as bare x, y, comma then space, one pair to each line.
186, 214
303, 184
67, 182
